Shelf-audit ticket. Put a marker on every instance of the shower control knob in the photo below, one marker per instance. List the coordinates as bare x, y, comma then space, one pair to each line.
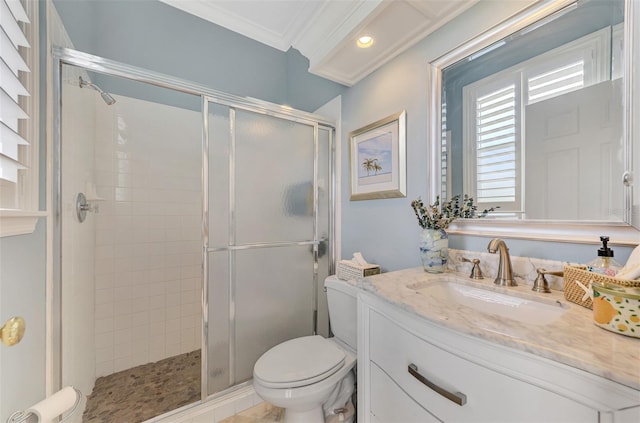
82, 207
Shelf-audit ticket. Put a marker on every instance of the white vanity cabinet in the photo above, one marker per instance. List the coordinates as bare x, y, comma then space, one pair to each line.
411, 370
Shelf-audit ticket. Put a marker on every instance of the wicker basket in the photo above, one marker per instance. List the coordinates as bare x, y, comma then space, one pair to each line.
347, 270
575, 276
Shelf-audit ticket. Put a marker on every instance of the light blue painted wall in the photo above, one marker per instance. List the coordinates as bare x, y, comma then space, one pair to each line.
386, 231
158, 37
22, 293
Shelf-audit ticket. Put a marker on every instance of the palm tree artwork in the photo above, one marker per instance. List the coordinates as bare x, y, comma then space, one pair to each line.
375, 159
371, 165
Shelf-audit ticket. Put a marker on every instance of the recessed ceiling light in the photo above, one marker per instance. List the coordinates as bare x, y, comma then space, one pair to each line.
365, 41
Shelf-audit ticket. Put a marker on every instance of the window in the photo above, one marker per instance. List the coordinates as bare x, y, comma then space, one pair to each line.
496, 159
18, 116
493, 174
445, 156
494, 108
556, 82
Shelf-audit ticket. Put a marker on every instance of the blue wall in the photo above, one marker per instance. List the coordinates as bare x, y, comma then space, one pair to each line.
386, 231
158, 37
22, 293
23, 290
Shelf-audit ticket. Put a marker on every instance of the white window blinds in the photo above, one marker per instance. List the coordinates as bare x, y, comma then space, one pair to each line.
556, 82
13, 43
496, 150
444, 157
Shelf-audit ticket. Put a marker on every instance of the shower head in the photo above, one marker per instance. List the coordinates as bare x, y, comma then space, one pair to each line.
105, 96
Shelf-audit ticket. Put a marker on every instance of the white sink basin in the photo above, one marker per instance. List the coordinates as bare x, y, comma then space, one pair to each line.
487, 301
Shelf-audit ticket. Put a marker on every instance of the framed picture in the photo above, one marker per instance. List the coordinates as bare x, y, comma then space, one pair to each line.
378, 159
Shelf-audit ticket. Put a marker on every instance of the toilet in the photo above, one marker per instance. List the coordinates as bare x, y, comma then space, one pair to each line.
312, 377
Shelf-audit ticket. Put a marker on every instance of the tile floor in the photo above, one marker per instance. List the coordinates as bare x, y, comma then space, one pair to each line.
260, 413
143, 392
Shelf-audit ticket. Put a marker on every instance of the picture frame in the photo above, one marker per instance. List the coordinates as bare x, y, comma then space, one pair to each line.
378, 159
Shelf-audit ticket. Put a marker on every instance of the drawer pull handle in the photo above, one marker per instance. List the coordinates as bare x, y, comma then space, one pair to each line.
457, 397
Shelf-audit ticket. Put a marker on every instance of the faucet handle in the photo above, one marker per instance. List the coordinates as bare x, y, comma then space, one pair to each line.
476, 273
541, 284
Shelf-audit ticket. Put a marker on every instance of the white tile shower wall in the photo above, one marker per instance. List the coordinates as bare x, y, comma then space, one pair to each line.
148, 234
78, 239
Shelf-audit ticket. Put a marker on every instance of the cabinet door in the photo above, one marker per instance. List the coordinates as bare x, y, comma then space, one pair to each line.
490, 396
390, 405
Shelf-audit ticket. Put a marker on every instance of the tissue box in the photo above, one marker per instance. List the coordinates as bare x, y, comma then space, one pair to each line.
616, 309
346, 270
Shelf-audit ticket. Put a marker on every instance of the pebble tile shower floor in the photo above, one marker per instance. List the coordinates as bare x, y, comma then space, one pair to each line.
143, 392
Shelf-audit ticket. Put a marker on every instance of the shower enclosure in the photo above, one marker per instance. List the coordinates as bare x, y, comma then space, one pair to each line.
266, 239
204, 228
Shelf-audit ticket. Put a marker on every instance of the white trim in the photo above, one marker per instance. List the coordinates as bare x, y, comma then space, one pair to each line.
221, 15
549, 230
18, 222
329, 26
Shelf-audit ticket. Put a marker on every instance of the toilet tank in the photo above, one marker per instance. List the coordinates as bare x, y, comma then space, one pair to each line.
343, 310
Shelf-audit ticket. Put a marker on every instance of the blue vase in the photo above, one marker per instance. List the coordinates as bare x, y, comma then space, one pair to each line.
434, 250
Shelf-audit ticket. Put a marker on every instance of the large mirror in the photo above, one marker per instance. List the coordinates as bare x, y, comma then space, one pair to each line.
533, 118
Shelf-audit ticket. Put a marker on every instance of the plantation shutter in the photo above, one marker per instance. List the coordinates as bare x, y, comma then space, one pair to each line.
556, 82
497, 135
12, 40
444, 157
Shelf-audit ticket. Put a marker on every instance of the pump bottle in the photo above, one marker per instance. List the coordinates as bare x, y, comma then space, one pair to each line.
604, 264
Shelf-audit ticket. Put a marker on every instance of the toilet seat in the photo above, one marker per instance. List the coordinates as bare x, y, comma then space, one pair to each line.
298, 362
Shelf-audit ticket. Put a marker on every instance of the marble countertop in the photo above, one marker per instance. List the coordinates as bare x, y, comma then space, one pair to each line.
573, 339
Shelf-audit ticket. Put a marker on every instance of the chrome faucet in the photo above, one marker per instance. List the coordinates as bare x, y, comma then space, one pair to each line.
505, 274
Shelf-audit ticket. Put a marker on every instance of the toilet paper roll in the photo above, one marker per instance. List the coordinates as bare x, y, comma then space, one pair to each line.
55, 405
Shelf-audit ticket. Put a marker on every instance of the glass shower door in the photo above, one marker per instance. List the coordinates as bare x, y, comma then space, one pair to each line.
262, 238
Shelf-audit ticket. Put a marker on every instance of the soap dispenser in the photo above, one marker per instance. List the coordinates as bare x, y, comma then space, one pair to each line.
604, 264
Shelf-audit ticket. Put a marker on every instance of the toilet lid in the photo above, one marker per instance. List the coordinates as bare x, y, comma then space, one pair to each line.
299, 362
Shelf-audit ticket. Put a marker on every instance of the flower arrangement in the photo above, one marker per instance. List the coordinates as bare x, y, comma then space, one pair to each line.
440, 216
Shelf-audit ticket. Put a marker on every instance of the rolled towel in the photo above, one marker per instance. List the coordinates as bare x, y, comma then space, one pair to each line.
631, 269
51, 407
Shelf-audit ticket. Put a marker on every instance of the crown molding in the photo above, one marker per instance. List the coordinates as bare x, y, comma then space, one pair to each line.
222, 16
325, 31
332, 24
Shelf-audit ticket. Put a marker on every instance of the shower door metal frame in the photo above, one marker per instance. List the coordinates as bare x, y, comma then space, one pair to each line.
89, 62
232, 246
